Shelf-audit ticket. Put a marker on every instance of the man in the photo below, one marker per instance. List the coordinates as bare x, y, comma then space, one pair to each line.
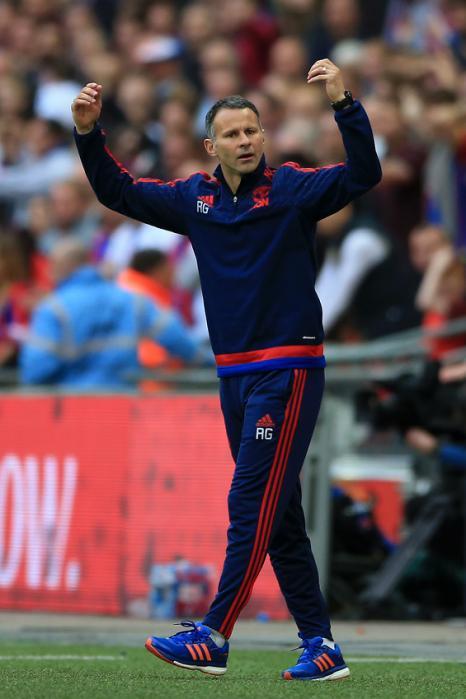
86, 333
451, 453
150, 273
47, 160
252, 230
71, 215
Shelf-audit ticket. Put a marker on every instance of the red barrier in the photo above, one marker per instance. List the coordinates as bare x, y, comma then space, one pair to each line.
95, 490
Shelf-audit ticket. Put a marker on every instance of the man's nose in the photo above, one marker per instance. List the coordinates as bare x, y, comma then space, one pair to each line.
244, 139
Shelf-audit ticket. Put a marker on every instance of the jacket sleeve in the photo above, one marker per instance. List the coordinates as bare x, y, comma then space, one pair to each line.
453, 455
323, 191
148, 200
41, 357
168, 329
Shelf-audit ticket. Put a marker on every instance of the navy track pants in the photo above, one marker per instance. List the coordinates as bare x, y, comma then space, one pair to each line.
270, 418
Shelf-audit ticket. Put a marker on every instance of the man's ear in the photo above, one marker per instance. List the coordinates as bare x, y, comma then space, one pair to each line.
209, 145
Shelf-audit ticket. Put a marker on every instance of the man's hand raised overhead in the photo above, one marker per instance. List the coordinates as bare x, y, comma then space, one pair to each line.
86, 108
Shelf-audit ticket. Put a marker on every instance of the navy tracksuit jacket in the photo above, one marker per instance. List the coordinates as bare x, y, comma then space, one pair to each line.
254, 251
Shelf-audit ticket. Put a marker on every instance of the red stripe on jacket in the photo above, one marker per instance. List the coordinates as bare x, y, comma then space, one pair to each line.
270, 353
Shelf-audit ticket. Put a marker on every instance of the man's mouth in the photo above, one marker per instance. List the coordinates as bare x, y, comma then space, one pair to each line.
246, 156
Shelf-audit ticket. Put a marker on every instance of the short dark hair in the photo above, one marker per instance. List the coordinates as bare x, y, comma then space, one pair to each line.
145, 261
230, 102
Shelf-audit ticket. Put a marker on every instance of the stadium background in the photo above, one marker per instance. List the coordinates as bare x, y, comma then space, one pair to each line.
89, 484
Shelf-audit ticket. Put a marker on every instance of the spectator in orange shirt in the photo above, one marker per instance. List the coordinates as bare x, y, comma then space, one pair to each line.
150, 273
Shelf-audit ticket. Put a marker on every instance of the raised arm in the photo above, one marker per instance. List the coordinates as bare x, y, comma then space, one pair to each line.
323, 191
148, 200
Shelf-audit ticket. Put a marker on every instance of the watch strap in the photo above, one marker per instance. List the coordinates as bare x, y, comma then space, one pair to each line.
347, 101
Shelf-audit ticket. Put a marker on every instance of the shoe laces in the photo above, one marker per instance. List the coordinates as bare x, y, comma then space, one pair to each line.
196, 633
312, 648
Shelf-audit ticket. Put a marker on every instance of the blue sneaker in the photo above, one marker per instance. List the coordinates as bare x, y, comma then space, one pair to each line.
195, 649
317, 662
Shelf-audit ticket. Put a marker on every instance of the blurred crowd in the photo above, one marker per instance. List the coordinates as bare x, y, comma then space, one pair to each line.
393, 260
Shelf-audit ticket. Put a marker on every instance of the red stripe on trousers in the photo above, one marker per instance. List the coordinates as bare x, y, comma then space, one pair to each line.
269, 503
271, 506
272, 502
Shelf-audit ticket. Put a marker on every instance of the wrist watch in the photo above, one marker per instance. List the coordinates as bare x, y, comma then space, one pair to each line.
347, 101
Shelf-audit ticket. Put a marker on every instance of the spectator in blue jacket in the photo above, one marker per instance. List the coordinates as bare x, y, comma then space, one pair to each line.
86, 333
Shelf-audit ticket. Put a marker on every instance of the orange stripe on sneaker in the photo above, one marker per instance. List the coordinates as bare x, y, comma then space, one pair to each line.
206, 652
324, 662
319, 663
192, 651
199, 651
328, 659
269, 502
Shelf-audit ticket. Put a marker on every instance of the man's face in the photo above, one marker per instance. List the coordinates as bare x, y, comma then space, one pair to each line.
423, 244
68, 204
238, 141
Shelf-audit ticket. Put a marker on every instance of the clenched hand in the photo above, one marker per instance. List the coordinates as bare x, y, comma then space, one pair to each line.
326, 71
86, 108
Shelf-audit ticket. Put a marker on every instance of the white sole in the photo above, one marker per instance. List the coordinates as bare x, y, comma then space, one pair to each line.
208, 670
338, 675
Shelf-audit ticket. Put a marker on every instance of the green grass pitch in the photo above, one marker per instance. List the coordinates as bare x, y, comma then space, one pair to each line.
101, 672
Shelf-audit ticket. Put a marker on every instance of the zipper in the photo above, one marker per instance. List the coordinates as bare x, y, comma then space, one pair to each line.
235, 199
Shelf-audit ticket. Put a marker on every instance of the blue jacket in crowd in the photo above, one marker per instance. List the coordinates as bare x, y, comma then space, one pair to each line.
86, 334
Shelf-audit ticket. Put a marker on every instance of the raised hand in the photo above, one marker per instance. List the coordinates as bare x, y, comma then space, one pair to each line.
326, 71
86, 108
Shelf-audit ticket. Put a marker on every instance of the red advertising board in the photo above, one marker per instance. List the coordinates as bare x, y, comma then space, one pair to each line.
95, 491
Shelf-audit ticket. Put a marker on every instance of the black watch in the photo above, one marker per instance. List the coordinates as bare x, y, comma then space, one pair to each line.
347, 101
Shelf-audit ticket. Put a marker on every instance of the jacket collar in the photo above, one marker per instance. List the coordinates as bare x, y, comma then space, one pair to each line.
248, 181
82, 275
132, 280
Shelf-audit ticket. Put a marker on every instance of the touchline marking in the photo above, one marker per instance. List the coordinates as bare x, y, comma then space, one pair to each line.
405, 660
117, 657
61, 657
